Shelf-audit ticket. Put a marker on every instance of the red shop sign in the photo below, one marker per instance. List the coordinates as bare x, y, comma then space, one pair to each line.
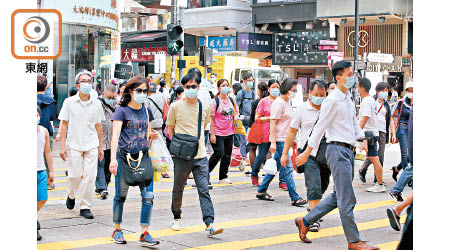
141, 54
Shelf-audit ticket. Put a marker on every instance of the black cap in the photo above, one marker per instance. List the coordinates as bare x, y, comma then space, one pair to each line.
340, 65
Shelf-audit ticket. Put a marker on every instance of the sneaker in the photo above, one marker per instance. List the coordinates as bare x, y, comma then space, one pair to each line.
394, 219
70, 203
377, 188
51, 186
225, 181
213, 231
255, 181
362, 177
396, 196
146, 240
104, 194
39, 237
283, 186
117, 237
86, 213
176, 225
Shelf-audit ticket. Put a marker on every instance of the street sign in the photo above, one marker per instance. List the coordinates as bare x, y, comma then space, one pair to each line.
360, 65
380, 58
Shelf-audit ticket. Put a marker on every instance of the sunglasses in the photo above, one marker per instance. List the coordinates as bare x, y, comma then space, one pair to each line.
140, 91
190, 86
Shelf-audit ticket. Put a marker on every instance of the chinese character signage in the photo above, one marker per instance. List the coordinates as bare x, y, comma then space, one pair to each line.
301, 48
147, 53
227, 43
254, 42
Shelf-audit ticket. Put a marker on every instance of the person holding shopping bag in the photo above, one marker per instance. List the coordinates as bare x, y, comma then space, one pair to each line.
131, 133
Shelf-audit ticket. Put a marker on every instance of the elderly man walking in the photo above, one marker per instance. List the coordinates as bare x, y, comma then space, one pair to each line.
81, 116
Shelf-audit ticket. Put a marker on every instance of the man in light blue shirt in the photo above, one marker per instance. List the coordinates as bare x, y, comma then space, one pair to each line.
244, 100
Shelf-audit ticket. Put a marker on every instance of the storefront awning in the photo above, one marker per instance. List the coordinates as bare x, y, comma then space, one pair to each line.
136, 38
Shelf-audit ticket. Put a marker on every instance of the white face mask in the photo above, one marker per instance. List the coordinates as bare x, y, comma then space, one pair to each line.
409, 95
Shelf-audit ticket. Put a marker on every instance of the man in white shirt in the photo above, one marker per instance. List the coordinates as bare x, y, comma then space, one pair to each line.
81, 116
338, 118
368, 122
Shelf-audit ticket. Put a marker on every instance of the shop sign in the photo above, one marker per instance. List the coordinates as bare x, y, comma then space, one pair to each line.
122, 71
265, 62
380, 58
141, 54
363, 39
328, 42
328, 47
380, 67
301, 48
406, 62
334, 57
227, 43
254, 42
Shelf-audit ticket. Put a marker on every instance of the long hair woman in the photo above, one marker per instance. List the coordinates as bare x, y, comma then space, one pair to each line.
131, 120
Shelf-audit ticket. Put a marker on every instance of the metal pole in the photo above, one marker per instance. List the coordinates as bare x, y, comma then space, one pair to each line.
356, 34
172, 69
181, 57
206, 66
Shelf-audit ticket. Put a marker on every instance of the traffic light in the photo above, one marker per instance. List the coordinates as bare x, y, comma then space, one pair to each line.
174, 42
202, 56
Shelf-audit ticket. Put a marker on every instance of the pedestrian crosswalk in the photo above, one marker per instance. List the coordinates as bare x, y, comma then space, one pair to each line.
234, 224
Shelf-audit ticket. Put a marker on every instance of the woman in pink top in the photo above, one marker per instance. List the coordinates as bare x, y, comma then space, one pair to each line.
280, 119
222, 130
263, 115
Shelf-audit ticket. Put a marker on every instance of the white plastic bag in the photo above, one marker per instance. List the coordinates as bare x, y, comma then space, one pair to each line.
160, 156
270, 167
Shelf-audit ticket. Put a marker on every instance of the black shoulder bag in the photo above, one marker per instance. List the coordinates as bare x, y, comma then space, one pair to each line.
185, 146
320, 155
137, 171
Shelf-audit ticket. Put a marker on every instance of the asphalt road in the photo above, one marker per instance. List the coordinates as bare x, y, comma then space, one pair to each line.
249, 223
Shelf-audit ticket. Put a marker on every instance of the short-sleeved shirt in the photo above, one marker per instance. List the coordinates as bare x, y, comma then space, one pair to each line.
244, 101
381, 116
406, 109
368, 108
158, 98
304, 118
264, 110
134, 128
223, 117
184, 117
282, 111
82, 117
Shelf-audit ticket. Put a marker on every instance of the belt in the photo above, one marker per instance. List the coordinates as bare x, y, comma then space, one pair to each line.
404, 124
352, 148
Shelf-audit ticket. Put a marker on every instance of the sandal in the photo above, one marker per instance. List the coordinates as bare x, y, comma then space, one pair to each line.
265, 197
314, 227
165, 175
300, 202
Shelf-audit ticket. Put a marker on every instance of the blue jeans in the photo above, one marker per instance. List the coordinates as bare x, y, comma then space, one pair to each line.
243, 144
402, 136
285, 173
121, 195
103, 175
404, 179
263, 148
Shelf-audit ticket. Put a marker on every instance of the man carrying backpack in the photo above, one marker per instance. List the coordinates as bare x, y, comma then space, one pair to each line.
244, 100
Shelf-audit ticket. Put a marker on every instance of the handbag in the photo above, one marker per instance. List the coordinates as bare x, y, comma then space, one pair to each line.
320, 155
294, 156
185, 146
137, 171
255, 134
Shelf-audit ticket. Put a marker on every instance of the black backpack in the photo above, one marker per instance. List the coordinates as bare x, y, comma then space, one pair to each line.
217, 102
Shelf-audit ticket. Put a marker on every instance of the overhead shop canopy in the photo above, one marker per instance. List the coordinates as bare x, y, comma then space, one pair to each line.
143, 37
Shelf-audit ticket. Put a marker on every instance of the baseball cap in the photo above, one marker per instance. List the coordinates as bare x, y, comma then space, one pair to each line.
409, 85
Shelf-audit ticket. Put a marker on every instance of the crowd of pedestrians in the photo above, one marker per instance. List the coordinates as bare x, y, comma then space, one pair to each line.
110, 133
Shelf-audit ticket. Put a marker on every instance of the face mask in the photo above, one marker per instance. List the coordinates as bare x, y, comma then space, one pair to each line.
139, 98
350, 82
409, 95
226, 90
250, 84
317, 100
292, 95
330, 90
213, 79
85, 88
383, 95
110, 102
275, 92
38, 120
191, 93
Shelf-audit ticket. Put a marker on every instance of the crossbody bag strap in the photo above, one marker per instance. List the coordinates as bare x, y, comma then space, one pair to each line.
306, 144
156, 105
148, 122
199, 118
399, 115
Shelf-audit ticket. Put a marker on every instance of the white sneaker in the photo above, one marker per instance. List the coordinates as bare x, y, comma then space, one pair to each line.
225, 181
377, 188
176, 225
211, 230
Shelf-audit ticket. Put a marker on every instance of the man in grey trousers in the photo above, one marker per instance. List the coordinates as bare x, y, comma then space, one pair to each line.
338, 118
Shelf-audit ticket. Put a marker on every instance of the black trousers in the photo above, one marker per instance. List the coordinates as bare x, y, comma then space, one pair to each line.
222, 152
107, 157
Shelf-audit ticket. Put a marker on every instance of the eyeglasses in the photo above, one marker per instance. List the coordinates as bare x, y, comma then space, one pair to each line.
140, 91
190, 86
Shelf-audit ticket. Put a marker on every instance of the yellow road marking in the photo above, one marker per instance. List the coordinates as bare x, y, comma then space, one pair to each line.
388, 245
287, 238
201, 228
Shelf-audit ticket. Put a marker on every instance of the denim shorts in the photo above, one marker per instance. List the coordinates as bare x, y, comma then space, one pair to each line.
373, 149
42, 178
